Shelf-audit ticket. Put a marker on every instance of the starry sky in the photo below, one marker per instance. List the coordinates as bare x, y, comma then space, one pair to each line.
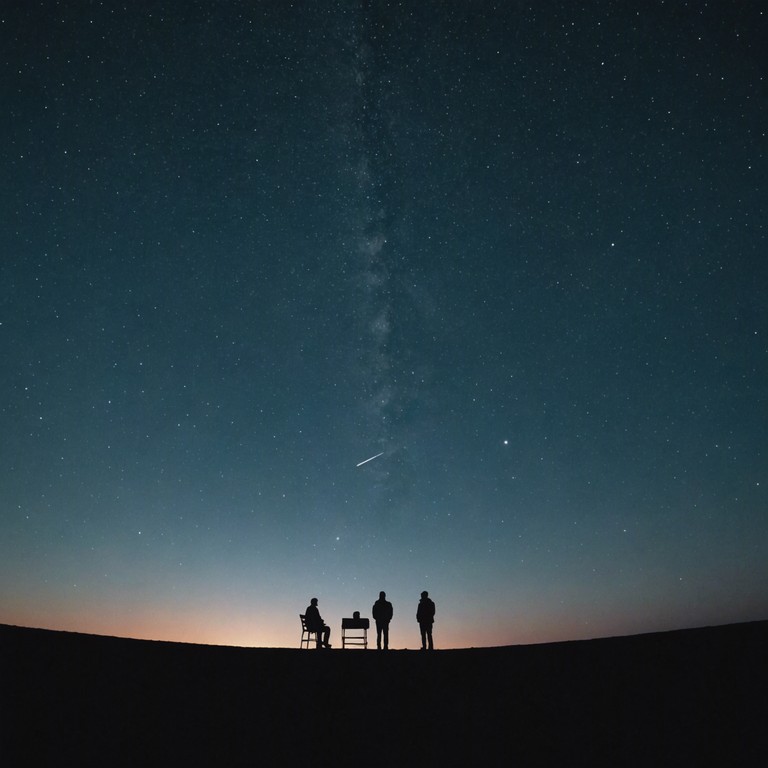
516, 248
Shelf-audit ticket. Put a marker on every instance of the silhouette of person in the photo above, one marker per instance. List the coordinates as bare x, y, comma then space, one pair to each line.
316, 624
382, 614
425, 615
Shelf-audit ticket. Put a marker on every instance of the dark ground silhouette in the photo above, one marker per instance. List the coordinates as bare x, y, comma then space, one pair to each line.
686, 698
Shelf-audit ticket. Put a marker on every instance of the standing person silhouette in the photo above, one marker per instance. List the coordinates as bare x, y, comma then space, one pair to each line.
316, 624
382, 614
425, 615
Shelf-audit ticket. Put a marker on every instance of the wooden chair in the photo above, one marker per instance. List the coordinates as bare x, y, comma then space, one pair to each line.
307, 636
354, 632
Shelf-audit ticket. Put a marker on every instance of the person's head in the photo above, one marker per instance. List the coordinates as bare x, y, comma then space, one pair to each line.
356, 615
313, 601
382, 595
425, 593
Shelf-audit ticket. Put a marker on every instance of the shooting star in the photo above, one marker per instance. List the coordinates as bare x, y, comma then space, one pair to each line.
371, 459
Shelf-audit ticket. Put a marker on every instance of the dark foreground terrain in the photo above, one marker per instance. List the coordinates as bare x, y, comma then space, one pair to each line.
687, 698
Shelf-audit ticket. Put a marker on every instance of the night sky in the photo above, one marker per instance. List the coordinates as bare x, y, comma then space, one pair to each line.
516, 248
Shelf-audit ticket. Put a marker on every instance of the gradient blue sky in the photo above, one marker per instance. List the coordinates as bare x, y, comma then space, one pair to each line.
518, 248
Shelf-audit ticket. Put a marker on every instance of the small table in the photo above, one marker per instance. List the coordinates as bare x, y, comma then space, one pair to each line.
354, 632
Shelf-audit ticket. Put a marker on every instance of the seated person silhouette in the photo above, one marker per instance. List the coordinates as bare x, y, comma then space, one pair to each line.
316, 624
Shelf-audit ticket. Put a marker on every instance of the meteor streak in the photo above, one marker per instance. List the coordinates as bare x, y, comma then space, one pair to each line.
371, 459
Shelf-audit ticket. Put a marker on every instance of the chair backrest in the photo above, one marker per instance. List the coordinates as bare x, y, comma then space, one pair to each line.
303, 621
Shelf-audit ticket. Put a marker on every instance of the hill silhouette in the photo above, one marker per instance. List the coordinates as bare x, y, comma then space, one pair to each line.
682, 698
